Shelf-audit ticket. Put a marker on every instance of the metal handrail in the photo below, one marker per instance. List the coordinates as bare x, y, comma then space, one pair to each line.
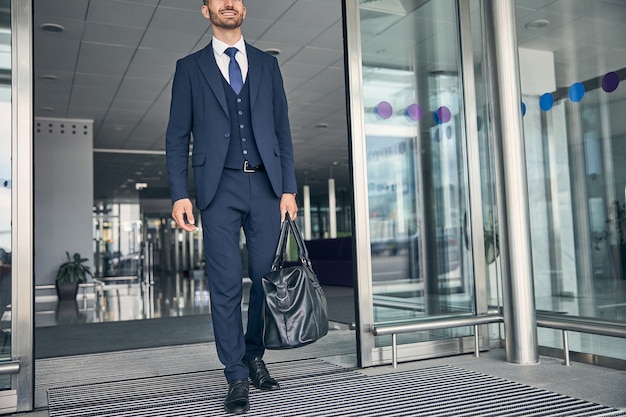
9, 368
434, 324
591, 326
558, 322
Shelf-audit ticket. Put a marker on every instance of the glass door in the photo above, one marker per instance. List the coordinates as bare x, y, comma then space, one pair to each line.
409, 134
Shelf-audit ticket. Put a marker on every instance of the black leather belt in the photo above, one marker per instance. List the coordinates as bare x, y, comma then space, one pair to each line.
250, 169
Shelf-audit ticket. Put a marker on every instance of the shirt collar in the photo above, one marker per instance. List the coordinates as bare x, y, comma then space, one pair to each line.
220, 47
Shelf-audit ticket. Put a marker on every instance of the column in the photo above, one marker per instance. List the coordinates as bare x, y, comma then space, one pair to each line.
306, 195
332, 209
512, 188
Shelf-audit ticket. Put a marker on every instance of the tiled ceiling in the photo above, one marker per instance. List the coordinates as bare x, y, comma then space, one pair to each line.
115, 60
114, 64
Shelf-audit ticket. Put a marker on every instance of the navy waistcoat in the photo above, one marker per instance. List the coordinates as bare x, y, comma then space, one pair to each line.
242, 145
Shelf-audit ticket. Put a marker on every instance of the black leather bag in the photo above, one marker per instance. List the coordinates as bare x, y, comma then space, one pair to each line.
295, 312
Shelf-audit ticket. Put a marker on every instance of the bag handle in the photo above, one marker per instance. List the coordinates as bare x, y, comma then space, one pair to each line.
281, 248
303, 253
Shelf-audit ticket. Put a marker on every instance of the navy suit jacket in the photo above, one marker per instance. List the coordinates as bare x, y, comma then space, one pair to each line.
199, 107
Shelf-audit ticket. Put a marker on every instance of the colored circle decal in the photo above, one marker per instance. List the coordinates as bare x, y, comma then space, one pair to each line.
610, 82
414, 112
523, 109
442, 115
576, 92
546, 101
384, 110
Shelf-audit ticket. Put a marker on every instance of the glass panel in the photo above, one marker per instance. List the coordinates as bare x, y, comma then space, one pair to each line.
118, 240
417, 180
487, 170
5, 188
572, 61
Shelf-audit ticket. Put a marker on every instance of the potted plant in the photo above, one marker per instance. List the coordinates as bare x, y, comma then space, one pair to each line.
71, 273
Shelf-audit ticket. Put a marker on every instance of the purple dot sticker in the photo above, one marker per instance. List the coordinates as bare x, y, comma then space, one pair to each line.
576, 92
610, 82
384, 110
546, 101
443, 115
414, 112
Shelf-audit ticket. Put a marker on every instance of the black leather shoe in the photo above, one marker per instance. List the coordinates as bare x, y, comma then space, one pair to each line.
237, 401
260, 376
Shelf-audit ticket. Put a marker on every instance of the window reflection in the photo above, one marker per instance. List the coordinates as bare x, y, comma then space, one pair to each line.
416, 174
573, 107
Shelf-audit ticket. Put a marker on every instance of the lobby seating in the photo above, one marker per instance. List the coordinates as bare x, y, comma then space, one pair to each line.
332, 260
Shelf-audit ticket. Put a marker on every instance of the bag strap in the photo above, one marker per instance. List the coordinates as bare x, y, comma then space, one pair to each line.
303, 253
281, 248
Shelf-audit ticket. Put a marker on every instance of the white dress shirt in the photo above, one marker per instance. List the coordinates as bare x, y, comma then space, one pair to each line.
223, 60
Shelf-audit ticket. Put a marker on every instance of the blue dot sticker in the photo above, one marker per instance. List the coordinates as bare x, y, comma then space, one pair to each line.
576, 92
523, 109
546, 101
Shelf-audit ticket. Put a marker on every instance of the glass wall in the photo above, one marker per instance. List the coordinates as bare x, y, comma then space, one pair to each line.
416, 164
5, 188
573, 63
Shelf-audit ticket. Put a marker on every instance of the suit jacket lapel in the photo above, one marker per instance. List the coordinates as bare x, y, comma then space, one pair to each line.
255, 70
212, 74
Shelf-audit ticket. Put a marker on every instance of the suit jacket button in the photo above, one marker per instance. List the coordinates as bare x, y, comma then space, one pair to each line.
227, 135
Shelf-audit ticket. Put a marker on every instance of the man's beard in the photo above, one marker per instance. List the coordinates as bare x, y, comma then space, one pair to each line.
217, 20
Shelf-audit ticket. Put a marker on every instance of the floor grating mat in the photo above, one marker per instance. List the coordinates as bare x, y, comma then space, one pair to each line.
314, 387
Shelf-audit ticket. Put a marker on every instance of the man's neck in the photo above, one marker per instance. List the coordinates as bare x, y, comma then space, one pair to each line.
228, 36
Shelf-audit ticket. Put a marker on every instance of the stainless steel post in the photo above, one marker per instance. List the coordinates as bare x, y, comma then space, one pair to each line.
511, 181
565, 348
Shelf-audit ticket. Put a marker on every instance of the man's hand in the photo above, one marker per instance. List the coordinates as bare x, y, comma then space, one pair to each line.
184, 208
288, 204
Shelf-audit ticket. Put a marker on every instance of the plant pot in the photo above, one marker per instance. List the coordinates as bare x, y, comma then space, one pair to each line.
66, 290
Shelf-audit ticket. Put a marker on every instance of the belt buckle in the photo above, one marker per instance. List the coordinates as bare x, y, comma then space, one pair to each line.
247, 167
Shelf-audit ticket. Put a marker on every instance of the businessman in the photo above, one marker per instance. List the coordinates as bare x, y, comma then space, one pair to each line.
229, 97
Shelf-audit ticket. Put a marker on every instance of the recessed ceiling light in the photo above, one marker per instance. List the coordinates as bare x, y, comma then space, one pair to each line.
273, 51
49, 109
322, 125
49, 77
537, 24
52, 27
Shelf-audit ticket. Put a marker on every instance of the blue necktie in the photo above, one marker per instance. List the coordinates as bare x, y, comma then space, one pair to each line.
234, 71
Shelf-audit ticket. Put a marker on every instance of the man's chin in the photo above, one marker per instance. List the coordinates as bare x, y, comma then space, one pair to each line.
227, 24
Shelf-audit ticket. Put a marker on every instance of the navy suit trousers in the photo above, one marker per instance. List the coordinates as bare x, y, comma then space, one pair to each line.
243, 200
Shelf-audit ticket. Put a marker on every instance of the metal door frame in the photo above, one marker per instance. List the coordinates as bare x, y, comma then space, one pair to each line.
21, 395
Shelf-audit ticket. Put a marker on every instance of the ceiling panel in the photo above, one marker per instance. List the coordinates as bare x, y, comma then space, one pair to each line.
120, 13
104, 59
112, 34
